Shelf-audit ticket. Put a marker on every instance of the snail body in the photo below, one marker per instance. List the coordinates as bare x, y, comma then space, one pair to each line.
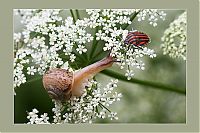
62, 84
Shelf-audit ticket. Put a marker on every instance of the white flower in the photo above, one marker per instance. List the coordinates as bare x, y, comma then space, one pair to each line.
124, 34
129, 74
113, 115
17, 37
100, 35
108, 46
18, 75
34, 119
153, 15
65, 65
31, 70
149, 52
72, 57
44, 118
102, 114
117, 96
32, 116
101, 21
81, 49
57, 112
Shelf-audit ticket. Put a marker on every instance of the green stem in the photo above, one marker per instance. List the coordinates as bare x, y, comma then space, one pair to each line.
143, 82
76, 54
84, 54
156, 85
131, 19
74, 20
96, 56
79, 56
77, 14
94, 44
104, 107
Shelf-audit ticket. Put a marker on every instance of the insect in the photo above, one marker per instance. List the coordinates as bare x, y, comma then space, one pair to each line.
62, 84
137, 38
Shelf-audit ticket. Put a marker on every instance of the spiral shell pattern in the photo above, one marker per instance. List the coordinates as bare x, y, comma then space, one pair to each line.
58, 83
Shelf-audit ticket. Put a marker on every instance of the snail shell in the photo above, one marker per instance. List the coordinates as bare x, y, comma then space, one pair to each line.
62, 84
58, 83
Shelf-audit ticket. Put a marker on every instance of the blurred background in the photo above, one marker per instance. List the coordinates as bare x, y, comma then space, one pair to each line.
139, 104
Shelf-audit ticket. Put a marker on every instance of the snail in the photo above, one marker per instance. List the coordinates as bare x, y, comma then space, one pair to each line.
62, 84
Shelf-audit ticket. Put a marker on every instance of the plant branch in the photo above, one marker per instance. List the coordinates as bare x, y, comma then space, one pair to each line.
155, 85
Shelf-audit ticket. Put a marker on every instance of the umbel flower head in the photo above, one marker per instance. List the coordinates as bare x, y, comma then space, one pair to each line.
48, 39
174, 38
52, 41
93, 104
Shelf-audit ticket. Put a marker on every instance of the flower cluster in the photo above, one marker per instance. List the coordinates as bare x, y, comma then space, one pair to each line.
34, 119
153, 16
113, 36
174, 38
91, 105
43, 42
26, 14
48, 39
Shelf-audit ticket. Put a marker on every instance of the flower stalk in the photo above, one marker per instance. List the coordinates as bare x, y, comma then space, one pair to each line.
155, 85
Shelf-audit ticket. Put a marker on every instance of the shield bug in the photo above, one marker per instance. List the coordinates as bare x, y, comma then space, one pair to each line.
137, 38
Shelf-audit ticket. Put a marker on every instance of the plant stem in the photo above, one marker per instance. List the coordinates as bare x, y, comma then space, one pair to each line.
156, 85
132, 18
77, 14
144, 82
104, 107
74, 20
98, 54
94, 44
75, 53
